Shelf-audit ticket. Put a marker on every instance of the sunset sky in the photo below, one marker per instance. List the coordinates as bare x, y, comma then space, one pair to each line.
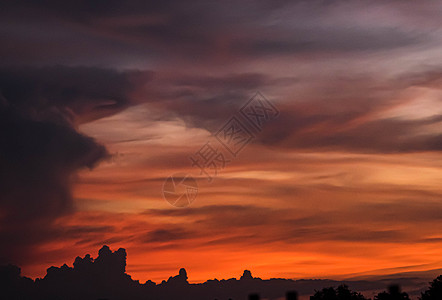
101, 101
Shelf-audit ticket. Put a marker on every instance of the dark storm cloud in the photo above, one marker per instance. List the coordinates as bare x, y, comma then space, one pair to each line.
78, 93
100, 32
149, 32
338, 113
37, 161
40, 149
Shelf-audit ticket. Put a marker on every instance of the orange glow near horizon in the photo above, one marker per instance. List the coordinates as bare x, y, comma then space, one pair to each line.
297, 215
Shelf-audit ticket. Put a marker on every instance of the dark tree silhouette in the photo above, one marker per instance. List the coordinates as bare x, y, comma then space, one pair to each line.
435, 290
12, 285
394, 293
253, 296
291, 295
180, 279
247, 275
105, 278
340, 293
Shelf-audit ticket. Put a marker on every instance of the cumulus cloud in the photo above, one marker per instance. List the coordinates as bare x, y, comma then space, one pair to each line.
40, 147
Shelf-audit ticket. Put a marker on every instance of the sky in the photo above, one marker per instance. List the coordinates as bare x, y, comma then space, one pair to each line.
102, 101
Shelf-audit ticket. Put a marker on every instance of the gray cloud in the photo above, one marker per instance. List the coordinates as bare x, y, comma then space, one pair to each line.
148, 32
40, 148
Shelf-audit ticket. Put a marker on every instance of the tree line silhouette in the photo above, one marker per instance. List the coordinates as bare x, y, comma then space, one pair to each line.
105, 278
342, 292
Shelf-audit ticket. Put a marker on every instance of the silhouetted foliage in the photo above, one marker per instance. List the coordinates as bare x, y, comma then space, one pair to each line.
394, 293
435, 290
105, 278
179, 280
342, 292
253, 296
291, 295
246, 275
12, 285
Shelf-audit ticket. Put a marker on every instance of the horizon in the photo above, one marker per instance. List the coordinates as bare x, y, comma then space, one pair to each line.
109, 267
370, 276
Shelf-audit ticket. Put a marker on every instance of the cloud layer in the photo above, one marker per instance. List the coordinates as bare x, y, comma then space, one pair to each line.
347, 175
